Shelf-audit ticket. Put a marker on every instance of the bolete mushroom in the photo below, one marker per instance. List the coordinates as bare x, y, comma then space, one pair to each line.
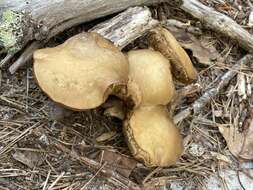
150, 79
160, 39
81, 72
152, 136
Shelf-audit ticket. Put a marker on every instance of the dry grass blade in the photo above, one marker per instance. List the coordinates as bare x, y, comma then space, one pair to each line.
8, 147
56, 180
45, 183
93, 177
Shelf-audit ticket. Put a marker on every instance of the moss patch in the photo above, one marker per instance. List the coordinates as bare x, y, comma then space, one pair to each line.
10, 30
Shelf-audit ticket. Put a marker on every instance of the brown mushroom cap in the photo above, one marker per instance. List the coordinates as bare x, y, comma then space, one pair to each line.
81, 72
163, 41
150, 80
152, 137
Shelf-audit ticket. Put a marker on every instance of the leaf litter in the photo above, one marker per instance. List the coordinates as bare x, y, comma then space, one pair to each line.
86, 127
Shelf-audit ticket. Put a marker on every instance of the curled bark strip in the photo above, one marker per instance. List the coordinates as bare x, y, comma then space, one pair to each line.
181, 94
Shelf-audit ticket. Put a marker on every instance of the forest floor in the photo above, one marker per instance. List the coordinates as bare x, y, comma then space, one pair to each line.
31, 156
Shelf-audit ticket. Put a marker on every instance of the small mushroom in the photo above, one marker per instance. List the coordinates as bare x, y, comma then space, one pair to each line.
81, 72
160, 39
150, 79
152, 136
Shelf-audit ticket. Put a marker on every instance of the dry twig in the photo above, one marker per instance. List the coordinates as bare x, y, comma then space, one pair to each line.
219, 23
219, 84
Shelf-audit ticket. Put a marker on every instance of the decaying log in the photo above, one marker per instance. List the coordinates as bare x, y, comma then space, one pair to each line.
23, 21
121, 30
220, 83
219, 23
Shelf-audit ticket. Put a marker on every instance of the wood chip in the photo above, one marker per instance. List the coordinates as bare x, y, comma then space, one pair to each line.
239, 143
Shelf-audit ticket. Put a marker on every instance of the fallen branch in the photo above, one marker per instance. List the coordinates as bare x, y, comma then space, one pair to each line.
111, 176
121, 30
220, 83
219, 23
23, 21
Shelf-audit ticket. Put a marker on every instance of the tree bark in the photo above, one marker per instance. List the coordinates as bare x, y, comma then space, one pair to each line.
23, 21
219, 23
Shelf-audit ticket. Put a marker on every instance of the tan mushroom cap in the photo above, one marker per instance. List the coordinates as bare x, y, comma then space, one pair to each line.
163, 41
81, 72
152, 137
150, 80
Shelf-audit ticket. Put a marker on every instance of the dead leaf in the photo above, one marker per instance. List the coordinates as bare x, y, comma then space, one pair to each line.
118, 162
204, 53
106, 136
240, 144
29, 158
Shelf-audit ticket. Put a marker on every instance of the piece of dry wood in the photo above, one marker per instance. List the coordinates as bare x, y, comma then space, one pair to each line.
127, 26
219, 23
110, 175
219, 84
241, 82
22, 21
121, 30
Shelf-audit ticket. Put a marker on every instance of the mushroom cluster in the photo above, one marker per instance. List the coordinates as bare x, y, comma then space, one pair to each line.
82, 72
